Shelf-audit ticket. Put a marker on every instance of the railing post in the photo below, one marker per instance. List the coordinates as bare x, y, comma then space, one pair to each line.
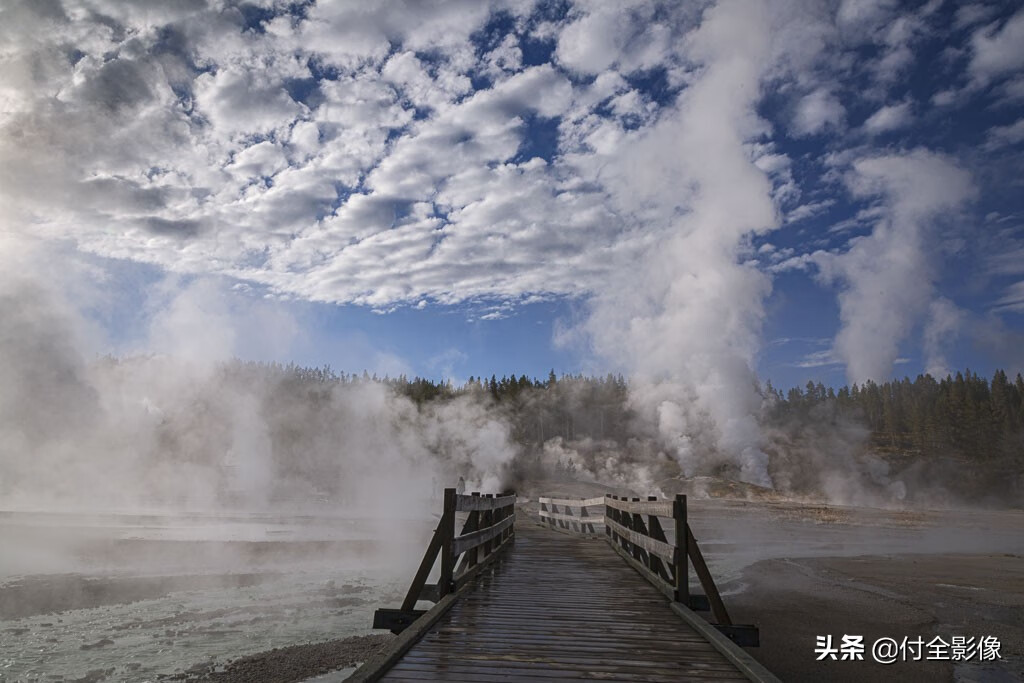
444, 584
607, 516
499, 515
474, 554
488, 522
638, 552
654, 527
511, 530
620, 519
585, 526
613, 513
682, 577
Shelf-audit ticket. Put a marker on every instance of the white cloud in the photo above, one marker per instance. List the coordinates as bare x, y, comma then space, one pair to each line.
1013, 89
998, 50
623, 34
889, 118
241, 101
1005, 136
1012, 299
347, 157
817, 112
863, 15
805, 211
819, 359
973, 13
945, 98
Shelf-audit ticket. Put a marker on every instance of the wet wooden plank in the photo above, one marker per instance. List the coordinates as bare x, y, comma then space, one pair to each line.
559, 608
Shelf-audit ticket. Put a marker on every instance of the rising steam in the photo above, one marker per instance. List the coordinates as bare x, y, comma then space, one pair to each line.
199, 431
685, 319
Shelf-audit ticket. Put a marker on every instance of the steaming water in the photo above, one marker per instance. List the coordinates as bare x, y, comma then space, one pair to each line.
734, 535
152, 594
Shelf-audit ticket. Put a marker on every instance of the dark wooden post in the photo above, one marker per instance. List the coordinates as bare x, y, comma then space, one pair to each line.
607, 516
511, 511
655, 528
613, 513
623, 519
640, 527
620, 517
638, 552
585, 526
700, 567
488, 522
502, 513
445, 583
682, 577
474, 554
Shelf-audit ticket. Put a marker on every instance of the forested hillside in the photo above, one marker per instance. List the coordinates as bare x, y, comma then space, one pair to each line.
965, 415
958, 439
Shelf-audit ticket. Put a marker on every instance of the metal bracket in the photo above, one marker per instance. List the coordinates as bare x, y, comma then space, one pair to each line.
742, 634
396, 620
430, 592
699, 603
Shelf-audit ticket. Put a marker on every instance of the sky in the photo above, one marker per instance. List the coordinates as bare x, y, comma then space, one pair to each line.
826, 191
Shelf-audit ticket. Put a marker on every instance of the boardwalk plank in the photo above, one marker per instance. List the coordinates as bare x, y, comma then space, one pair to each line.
562, 608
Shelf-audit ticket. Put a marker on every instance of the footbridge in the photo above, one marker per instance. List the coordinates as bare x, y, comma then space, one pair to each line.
589, 589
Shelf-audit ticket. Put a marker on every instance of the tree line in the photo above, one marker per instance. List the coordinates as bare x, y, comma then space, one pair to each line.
962, 415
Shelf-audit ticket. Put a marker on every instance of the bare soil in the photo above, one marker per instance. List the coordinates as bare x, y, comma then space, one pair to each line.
290, 664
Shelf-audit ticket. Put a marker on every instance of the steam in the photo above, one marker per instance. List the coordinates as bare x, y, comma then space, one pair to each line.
188, 428
944, 320
888, 276
685, 318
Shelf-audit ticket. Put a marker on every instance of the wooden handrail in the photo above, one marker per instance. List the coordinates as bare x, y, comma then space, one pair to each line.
589, 519
565, 519
648, 549
489, 527
478, 538
634, 530
464, 503
659, 508
577, 502
651, 545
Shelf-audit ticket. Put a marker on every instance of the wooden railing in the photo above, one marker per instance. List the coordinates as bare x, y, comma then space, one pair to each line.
489, 528
634, 529
564, 518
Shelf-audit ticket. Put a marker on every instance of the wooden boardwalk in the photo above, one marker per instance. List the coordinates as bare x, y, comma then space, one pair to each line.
562, 608
529, 602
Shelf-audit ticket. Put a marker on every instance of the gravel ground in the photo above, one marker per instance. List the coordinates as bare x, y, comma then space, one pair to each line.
290, 664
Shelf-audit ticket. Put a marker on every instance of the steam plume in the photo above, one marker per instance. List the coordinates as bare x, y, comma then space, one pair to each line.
685, 320
888, 275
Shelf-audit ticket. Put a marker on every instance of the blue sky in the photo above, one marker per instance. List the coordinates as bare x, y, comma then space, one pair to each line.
813, 190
